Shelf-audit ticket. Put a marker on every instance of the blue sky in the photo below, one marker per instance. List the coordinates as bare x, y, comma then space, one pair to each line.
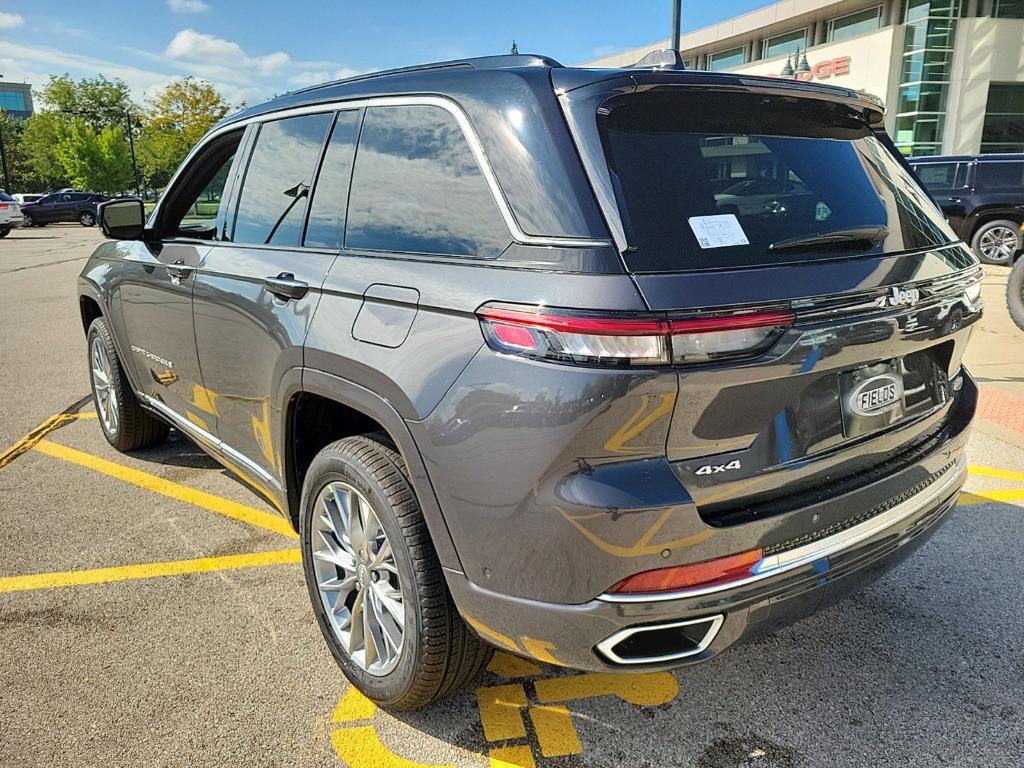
251, 49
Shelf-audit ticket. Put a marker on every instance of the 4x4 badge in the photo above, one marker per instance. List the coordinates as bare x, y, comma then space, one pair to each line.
711, 469
899, 297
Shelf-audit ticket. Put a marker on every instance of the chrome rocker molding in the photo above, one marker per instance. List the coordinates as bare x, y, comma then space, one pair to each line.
809, 553
606, 647
206, 438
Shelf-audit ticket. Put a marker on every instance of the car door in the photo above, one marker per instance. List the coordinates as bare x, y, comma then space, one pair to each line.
49, 209
255, 295
155, 287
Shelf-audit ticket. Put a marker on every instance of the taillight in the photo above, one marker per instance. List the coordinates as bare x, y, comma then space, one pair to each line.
3, 206
628, 340
708, 573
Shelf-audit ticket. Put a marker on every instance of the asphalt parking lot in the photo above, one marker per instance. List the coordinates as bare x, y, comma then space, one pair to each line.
152, 611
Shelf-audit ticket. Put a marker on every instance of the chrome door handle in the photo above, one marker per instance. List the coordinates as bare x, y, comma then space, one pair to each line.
285, 286
956, 199
179, 270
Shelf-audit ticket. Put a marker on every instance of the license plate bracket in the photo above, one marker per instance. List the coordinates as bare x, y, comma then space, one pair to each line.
872, 397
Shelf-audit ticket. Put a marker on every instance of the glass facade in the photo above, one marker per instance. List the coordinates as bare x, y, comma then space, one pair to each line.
12, 101
1004, 118
929, 37
1008, 9
725, 59
855, 24
783, 44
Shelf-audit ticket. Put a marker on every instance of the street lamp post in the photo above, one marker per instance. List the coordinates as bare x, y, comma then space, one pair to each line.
3, 160
677, 10
131, 147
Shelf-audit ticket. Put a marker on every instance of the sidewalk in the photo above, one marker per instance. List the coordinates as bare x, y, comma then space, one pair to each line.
995, 357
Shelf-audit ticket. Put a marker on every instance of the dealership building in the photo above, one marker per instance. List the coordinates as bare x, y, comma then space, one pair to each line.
951, 72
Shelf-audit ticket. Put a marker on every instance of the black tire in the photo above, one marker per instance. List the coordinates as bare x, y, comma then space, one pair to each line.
1015, 293
986, 230
5, 231
135, 427
440, 653
87, 219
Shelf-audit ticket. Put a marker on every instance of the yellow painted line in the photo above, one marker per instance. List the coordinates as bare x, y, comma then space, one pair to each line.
232, 509
500, 713
511, 757
1001, 474
87, 415
507, 665
353, 707
648, 689
40, 431
146, 570
1008, 495
361, 747
555, 732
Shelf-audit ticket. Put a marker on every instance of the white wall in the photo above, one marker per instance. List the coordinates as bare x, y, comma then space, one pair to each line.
987, 50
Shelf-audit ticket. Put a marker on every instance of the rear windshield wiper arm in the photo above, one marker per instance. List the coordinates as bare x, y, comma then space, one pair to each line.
837, 238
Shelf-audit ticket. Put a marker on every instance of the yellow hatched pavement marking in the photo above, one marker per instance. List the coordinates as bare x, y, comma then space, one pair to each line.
232, 509
353, 707
147, 570
511, 757
996, 472
555, 732
500, 711
361, 747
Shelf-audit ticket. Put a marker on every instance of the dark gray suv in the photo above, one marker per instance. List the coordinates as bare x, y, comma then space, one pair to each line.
524, 371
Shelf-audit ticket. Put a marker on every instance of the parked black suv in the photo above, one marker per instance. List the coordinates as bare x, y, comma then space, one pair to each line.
63, 206
502, 342
982, 197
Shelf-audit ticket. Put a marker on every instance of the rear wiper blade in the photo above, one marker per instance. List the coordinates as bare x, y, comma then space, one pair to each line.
837, 238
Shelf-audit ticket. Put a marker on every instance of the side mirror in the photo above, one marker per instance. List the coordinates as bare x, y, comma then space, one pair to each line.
122, 219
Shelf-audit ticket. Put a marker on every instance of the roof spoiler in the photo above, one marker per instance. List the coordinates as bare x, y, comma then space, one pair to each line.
666, 58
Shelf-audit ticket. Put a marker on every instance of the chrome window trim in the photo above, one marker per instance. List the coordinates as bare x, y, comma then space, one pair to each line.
775, 565
205, 437
475, 146
606, 645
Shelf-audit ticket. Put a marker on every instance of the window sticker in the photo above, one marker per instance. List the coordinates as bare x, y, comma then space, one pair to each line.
718, 231
821, 211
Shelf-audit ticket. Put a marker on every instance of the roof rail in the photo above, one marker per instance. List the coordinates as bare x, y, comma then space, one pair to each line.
665, 58
480, 62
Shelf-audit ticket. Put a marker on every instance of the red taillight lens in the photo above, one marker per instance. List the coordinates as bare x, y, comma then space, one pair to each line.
628, 340
705, 574
576, 338
3, 206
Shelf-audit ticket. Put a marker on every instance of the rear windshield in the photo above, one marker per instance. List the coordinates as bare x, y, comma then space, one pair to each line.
706, 180
5, 197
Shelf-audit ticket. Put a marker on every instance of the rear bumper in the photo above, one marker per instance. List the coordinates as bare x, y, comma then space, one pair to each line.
601, 634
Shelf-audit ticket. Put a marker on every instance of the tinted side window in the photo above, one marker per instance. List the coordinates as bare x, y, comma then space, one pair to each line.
937, 175
1008, 175
272, 205
326, 223
416, 188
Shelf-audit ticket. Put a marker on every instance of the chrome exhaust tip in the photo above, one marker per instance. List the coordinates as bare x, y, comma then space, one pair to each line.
661, 643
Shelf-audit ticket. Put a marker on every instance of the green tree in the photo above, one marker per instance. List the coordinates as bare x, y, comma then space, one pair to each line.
40, 135
95, 160
101, 102
176, 119
14, 152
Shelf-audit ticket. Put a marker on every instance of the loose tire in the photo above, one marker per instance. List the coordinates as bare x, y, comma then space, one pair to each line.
1015, 293
87, 219
996, 241
126, 425
349, 482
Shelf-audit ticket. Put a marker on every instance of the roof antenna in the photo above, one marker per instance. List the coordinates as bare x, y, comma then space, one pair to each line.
515, 48
677, 9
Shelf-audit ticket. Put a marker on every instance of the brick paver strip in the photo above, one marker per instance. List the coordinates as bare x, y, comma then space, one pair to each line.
1001, 408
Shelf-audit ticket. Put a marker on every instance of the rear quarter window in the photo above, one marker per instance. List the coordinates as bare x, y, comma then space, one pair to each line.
417, 188
1000, 175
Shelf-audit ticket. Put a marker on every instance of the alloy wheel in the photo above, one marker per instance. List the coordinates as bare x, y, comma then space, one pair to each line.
357, 578
103, 386
87, 220
998, 244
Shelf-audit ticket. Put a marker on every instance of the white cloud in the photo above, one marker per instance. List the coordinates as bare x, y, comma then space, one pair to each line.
188, 6
201, 48
10, 20
317, 76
